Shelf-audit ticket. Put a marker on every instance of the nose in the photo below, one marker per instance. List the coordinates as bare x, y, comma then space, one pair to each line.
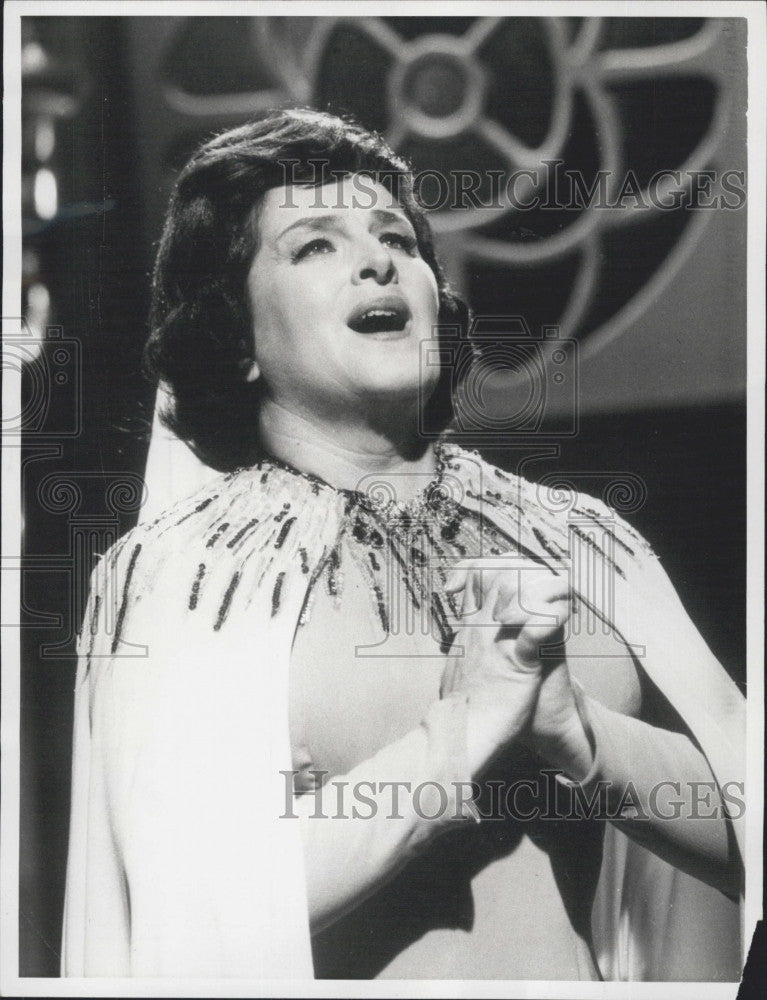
374, 262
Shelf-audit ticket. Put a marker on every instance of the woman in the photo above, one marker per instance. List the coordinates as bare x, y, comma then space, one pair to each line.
289, 680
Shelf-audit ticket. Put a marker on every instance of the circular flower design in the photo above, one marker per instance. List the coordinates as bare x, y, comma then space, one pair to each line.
544, 147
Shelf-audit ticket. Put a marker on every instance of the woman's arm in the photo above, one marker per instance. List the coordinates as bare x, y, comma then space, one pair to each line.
655, 784
180, 822
352, 851
360, 828
658, 788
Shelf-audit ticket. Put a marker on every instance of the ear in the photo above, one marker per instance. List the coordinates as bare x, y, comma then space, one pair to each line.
250, 370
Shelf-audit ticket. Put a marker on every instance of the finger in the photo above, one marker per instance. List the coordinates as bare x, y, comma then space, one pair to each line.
543, 592
534, 637
479, 597
485, 562
520, 659
455, 581
450, 677
470, 603
460, 573
549, 616
457, 575
464, 565
533, 650
507, 610
476, 586
508, 607
513, 605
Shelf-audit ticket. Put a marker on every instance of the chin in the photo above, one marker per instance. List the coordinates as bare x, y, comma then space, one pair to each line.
398, 391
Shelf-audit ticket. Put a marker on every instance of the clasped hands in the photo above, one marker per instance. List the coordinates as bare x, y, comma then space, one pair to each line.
508, 658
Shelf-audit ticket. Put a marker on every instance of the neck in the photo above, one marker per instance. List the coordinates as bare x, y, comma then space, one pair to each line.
344, 453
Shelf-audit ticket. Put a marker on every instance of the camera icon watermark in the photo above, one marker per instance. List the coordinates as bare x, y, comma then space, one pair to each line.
505, 381
50, 370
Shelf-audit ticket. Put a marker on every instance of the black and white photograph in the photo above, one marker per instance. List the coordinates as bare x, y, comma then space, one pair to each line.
382, 568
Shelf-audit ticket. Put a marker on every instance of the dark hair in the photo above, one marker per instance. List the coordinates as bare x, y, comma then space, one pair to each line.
201, 320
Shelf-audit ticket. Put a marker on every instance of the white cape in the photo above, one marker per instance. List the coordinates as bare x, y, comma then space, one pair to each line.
179, 861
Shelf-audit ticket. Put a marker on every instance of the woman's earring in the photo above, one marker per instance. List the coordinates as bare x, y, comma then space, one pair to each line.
250, 370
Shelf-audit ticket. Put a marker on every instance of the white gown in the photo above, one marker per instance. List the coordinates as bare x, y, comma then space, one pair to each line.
180, 863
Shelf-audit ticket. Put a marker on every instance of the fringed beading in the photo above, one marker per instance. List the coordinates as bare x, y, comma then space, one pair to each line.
275, 531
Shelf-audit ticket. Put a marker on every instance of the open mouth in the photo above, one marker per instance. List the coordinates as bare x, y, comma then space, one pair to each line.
387, 316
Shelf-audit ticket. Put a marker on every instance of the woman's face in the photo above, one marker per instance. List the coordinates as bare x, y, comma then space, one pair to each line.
341, 300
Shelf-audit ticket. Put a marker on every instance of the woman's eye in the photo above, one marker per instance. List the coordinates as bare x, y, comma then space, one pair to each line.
402, 241
317, 246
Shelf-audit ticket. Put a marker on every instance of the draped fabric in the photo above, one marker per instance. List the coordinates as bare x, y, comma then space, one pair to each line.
180, 862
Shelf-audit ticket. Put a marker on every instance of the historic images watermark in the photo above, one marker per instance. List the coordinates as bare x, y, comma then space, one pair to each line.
550, 186
544, 796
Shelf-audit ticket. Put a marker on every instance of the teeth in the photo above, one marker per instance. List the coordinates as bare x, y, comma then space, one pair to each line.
376, 319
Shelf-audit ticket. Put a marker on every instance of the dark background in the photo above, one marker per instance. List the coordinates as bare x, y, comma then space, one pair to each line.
662, 387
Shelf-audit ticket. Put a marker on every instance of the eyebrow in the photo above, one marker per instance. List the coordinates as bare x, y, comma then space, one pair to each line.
330, 222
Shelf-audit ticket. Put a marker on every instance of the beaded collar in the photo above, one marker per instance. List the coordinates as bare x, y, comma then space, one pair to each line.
259, 539
434, 498
415, 540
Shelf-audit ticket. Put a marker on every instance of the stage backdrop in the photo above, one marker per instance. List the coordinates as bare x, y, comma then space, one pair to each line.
614, 337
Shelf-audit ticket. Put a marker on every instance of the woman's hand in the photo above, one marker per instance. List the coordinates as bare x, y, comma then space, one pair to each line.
514, 621
501, 691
